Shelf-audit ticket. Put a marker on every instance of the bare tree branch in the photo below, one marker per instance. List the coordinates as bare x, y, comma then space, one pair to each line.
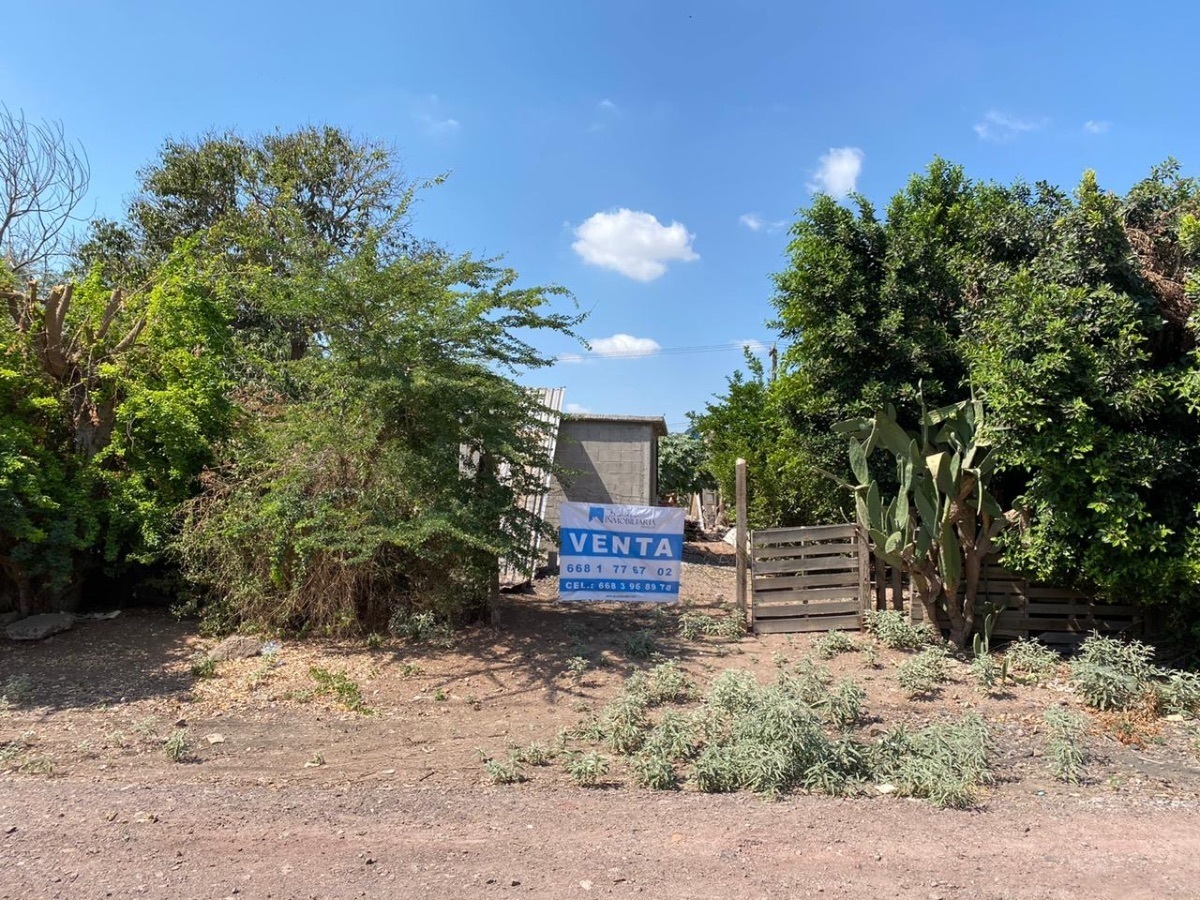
43, 179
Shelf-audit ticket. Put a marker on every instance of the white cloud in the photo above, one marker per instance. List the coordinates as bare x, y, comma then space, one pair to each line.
633, 243
430, 114
440, 126
608, 106
755, 222
1094, 126
624, 345
756, 347
619, 346
576, 409
837, 174
999, 126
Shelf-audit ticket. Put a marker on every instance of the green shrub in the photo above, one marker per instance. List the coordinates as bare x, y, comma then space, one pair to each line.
843, 705
893, 630
640, 645
420, 628
586, 769
1180, 693
673, 737
1066, 751
177, 747
623, 723
988, 673
921, 674
733, 691
653, 769
944, 763
1112, 674
534, 755
718, 769
1032, 658
506, 771
204, 666
693, 626
342, 687
870, 655
829, 645
577, 667
670, 684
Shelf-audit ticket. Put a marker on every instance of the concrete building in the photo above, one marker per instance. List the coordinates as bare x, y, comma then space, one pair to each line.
609, 459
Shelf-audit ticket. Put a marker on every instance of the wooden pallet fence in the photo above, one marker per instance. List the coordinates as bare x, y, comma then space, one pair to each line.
1056, 616
808, 579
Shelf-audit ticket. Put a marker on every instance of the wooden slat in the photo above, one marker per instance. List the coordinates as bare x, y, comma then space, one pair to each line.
808, 533
801, 566
778, 610
824, 579
786, 551
1085, 609
829, 593
817, 623
864, 571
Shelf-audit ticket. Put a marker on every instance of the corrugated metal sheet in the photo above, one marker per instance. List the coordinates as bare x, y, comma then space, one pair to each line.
550, 402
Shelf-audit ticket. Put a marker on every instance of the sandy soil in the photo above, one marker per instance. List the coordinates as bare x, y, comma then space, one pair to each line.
288, 794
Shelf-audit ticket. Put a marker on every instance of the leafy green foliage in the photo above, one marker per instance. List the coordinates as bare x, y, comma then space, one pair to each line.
693, 626
1112, 674
1070, 315
177, 747
892, 629
921, 675
343, 688
669, 684
534, 755
944, 763
682, 459
107, 418
504, 771
1066, 749
204, 666
988, 673
748, 422
829, 645
17, 690
390, 482
1032, 658
586, 769
641, 644
940, 523
1179, 694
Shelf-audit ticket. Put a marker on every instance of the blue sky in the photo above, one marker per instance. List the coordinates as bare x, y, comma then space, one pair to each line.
646, 155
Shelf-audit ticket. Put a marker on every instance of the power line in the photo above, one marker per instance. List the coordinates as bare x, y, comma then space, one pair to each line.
756, 346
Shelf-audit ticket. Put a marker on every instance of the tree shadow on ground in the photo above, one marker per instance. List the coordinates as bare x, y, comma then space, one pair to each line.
142, 654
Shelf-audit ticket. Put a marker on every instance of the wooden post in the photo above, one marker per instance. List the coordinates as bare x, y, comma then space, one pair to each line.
881, 582
897, 590
742, 561
864, 572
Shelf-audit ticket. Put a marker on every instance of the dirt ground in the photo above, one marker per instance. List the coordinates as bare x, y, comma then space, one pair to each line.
288, 793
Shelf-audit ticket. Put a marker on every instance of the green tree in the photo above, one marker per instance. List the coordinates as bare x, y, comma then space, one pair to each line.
109, 409
389, 484
1073, 318
681, 466
748, 422
1085, 361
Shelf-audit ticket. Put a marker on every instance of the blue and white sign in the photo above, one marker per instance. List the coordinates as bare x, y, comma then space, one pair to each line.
622, 553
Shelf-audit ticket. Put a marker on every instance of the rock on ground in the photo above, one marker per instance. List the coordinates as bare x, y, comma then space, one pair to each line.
237, 646
34, 628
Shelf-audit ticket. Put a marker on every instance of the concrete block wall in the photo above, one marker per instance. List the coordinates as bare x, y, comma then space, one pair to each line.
610, 462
